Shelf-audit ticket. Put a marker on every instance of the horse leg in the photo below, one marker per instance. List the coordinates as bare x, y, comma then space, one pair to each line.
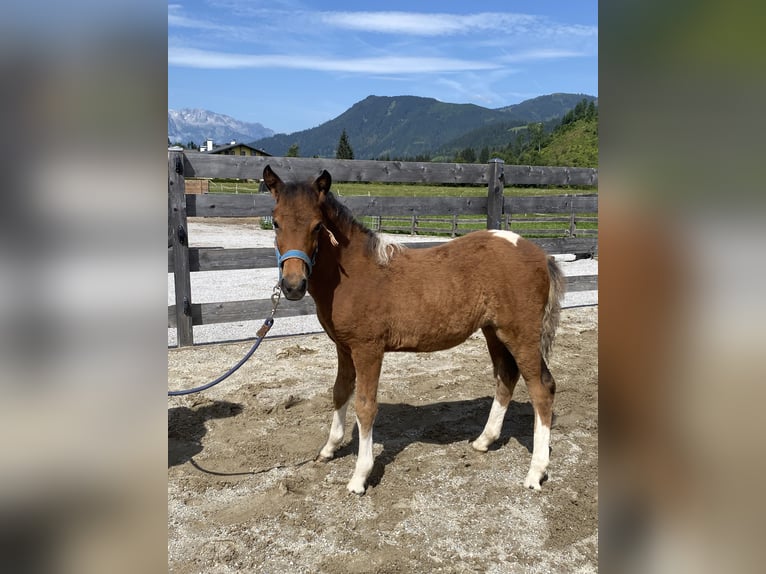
341, 392
368, 363
542, 388
506, 376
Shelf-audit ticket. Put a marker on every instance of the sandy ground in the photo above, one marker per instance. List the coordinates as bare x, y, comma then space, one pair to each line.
244, 493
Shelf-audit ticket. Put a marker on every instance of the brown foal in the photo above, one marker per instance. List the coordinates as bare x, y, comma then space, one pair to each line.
373, 296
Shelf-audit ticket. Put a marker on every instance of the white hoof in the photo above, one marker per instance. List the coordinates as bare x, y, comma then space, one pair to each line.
326, 454
480, 445
534, 480
356, 486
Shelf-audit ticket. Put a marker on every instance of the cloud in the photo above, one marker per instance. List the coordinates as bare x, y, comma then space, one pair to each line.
414, 24
425, 24
420, 43
178, 20
387, 65
542, 54
409, 23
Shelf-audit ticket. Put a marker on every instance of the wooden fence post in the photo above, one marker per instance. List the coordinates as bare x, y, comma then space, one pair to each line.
495, 193
180, 240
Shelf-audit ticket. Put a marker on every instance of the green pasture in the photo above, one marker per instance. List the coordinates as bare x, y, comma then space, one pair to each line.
444, 225
404, 189
528, 225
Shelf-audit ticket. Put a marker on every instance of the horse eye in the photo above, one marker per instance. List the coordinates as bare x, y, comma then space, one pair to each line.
317, 228
275, 224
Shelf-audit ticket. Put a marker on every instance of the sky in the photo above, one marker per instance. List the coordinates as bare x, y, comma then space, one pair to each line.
292, 65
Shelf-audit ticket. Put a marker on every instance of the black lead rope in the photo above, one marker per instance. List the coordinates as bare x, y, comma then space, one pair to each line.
259, 337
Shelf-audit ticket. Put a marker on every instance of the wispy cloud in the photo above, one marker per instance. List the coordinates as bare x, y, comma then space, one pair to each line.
541, 54
176, 19
410, 23
423, 24
414, 24
388, 65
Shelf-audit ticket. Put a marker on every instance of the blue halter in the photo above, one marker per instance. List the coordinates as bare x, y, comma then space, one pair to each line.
295, 254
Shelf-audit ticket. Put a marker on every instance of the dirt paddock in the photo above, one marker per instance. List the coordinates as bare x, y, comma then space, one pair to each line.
244, 494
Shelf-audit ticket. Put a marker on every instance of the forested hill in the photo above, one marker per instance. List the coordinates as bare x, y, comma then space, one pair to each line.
409, 126
575, 141
571, 140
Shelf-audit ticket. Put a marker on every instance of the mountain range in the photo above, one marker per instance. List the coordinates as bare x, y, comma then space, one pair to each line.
391, 127
194, 125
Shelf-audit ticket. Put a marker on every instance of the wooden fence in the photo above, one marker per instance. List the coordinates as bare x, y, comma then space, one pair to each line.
500, 212
568, 226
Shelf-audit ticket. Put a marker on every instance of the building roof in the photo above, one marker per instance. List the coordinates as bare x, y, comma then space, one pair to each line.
230, 146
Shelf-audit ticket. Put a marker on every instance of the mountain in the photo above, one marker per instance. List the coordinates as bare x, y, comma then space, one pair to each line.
379, 126
198, 125
408, 126
546, 108
571, 140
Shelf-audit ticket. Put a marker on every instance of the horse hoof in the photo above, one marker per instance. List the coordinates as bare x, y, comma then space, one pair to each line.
321, 458
534, 483
479, 446
355, 488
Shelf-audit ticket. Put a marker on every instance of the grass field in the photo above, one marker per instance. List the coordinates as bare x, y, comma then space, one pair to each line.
405, 189
532, 225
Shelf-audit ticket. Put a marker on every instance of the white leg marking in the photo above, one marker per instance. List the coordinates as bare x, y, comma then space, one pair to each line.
540, 455
509, 236
336, 433
493, 427
364, 462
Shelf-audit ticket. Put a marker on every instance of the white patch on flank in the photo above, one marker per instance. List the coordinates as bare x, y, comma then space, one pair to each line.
336, 433
509, 236
493, 427
386, 248
364, 462
540, 455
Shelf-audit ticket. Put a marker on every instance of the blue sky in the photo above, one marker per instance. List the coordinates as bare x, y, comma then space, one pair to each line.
294, 64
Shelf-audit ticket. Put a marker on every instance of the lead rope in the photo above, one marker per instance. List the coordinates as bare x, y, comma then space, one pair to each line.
275, 297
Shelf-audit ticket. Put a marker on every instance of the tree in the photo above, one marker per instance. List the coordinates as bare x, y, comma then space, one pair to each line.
591, 113
344, 150
293, 151
535, 131
484, 155
580, 109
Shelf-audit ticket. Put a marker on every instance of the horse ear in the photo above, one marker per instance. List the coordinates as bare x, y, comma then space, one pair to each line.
323, 183
272, 181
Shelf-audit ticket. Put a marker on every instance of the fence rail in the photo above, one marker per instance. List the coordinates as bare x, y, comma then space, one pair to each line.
529, 226
256, 309
499, 211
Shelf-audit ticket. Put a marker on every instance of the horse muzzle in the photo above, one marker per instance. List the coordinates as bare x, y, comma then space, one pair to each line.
294, 288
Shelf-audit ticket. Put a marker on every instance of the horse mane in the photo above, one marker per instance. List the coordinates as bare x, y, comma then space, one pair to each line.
381, 248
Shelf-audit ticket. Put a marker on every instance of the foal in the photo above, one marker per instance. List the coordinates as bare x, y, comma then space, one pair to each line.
373, 297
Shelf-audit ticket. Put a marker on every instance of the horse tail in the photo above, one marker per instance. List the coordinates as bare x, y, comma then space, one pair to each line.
552, 307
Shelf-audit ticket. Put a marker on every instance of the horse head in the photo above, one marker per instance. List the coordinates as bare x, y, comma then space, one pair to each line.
297, 219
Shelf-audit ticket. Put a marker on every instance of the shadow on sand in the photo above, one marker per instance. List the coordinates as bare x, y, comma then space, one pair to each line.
186, 428
399, 425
